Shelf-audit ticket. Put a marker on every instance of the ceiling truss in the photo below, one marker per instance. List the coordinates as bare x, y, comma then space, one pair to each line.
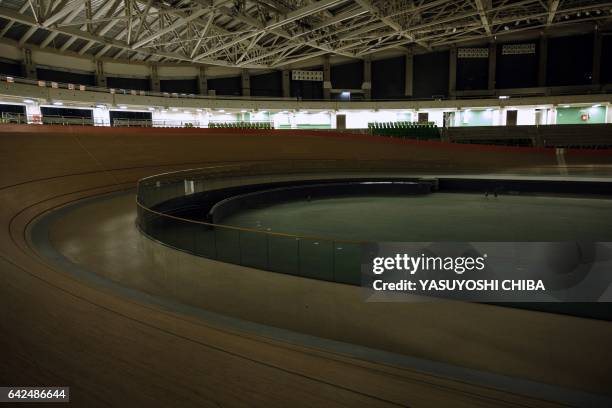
274, 33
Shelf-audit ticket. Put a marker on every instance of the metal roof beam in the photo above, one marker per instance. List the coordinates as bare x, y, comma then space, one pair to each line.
367, 4
28, 20
290, 17
482, 12
62, 12
553, 5
177, 23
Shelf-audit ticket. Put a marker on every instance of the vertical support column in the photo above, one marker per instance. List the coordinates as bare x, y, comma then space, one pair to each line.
100, 76
552, 116
543, 61
503, 116
286, 84
202, 81
246, 82
332, 119
452, 72
366, 86
597, 39
409, 75
492, 65
28, 67
154, 79
89, 16
327, 85
292, 120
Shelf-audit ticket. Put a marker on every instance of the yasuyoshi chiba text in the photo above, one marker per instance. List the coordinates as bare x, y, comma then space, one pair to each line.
444, 285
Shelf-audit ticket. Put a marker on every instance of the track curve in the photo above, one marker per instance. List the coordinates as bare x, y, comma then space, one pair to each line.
112, 351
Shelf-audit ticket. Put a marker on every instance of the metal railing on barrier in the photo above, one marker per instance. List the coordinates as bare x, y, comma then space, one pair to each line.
68, 120
20, 118
192, 124
324, 258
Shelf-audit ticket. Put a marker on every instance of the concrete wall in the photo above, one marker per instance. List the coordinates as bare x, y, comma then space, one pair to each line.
581, 115
477, 117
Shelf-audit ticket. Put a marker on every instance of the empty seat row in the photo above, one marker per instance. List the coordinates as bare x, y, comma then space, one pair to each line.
240, 125
404, 129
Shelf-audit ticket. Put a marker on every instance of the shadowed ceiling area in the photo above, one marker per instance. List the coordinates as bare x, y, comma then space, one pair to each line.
275, 33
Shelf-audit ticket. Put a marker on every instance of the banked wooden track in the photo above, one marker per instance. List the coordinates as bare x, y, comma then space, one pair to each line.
113, 351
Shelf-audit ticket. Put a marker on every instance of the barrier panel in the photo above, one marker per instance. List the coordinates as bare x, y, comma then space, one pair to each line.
323, 258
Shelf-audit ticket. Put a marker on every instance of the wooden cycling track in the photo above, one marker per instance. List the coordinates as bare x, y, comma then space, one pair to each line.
113, 351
